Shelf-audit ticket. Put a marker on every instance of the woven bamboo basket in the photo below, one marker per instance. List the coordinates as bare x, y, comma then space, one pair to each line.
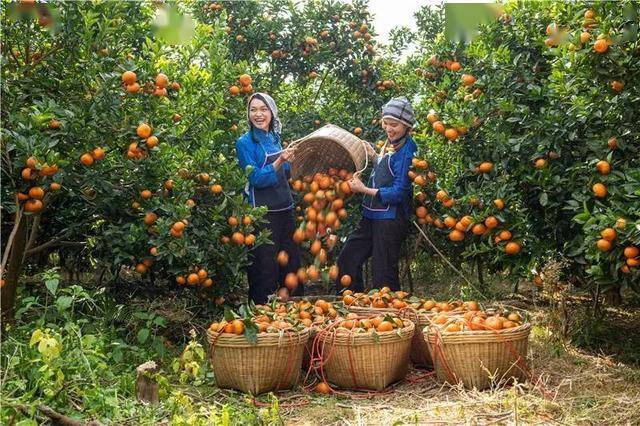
273, 363
329, 146
479, 358
419, 354
363, 361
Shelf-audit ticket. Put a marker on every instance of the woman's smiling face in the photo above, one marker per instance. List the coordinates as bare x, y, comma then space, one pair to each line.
393, 128
259, 114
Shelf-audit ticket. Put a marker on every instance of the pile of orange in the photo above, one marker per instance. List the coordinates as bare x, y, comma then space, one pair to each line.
384, 298
380, 323
158, 87
195, 276
451, 133
477, 320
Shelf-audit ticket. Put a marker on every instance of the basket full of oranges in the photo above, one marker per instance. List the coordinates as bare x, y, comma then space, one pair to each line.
418, 310
479, 348
258, 353
359, 352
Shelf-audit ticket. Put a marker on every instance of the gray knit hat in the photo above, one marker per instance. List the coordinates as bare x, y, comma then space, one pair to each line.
399, 109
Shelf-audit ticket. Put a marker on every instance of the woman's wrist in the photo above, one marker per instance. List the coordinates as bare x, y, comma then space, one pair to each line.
370, 191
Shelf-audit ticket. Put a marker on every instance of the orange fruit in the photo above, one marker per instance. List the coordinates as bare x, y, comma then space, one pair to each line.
494, 323
603, 245
162, 80
291, 281
128, 77
86, 159
282, 258
232, 221
234, 90
33, 206
432, 117
468, 80
505, 235
451, 134
456, 235
31, 162
491, 222
237, 238
150, 218
152, 141
608, 234
36, 192
143, 130
631, 252
599, 190
345, 280
333, 272
603, 167
249, 240
438, 126
540, 163
485, 167
612, 143
98, 154
145, 194
238, 326
132, 88
181, 280
54, 186
357, 131
633, 262
617, 86
499, 203
193, 279
590, 14
385, 326
601, 46
245, 79
455, 66
512, 248
585, 37
141, 268
478, 229
216, 188
323, 387
178, 226
315, 247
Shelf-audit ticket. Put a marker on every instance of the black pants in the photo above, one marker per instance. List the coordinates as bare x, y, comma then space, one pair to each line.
379, 239
264, 273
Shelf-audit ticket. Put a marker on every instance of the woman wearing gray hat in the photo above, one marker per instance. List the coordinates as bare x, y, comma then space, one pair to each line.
386, 204
260, 150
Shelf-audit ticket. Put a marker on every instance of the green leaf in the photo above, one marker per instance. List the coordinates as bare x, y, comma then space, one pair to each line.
544, 199
63, 303
143, 335
250, 331
52, 285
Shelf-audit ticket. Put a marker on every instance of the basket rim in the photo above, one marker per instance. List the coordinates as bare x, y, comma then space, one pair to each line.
346, 336
430, 331
282, 338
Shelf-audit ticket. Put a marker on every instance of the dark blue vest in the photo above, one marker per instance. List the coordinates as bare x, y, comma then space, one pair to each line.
381, 176
278, 197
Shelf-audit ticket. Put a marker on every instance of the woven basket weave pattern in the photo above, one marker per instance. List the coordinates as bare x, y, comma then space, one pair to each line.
273, 363
419, 352
329, 146
472, 356
358, 361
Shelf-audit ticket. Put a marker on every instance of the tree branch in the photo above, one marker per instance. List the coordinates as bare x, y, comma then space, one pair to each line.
12, 237
53, 243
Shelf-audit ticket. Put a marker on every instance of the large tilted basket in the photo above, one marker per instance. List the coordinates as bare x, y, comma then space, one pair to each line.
273, 363
329, 146
479, 358
365, 361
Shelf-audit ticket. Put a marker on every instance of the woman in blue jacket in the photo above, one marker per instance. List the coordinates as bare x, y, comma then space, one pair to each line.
386, 205
260, 148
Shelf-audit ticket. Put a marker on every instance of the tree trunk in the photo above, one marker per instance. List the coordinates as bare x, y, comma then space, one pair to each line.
146, 384
14, 267
613, 297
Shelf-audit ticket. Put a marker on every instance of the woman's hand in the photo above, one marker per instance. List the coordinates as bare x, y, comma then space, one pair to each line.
357, 186
285, 155
288, 155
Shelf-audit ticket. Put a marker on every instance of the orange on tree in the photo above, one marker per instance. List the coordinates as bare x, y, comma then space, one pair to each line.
601, 45
128, 77
608, 234
143, 130
603, 245
86, 159
599, 190
162, 80
603, 167
631, 252
512, 247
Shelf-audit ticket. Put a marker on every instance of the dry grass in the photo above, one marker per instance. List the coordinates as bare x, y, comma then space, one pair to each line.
570, 387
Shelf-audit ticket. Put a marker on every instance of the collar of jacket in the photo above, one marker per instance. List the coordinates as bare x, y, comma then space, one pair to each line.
260, 135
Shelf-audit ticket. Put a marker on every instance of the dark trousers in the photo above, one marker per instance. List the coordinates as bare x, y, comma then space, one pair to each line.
379, 239
264, 273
